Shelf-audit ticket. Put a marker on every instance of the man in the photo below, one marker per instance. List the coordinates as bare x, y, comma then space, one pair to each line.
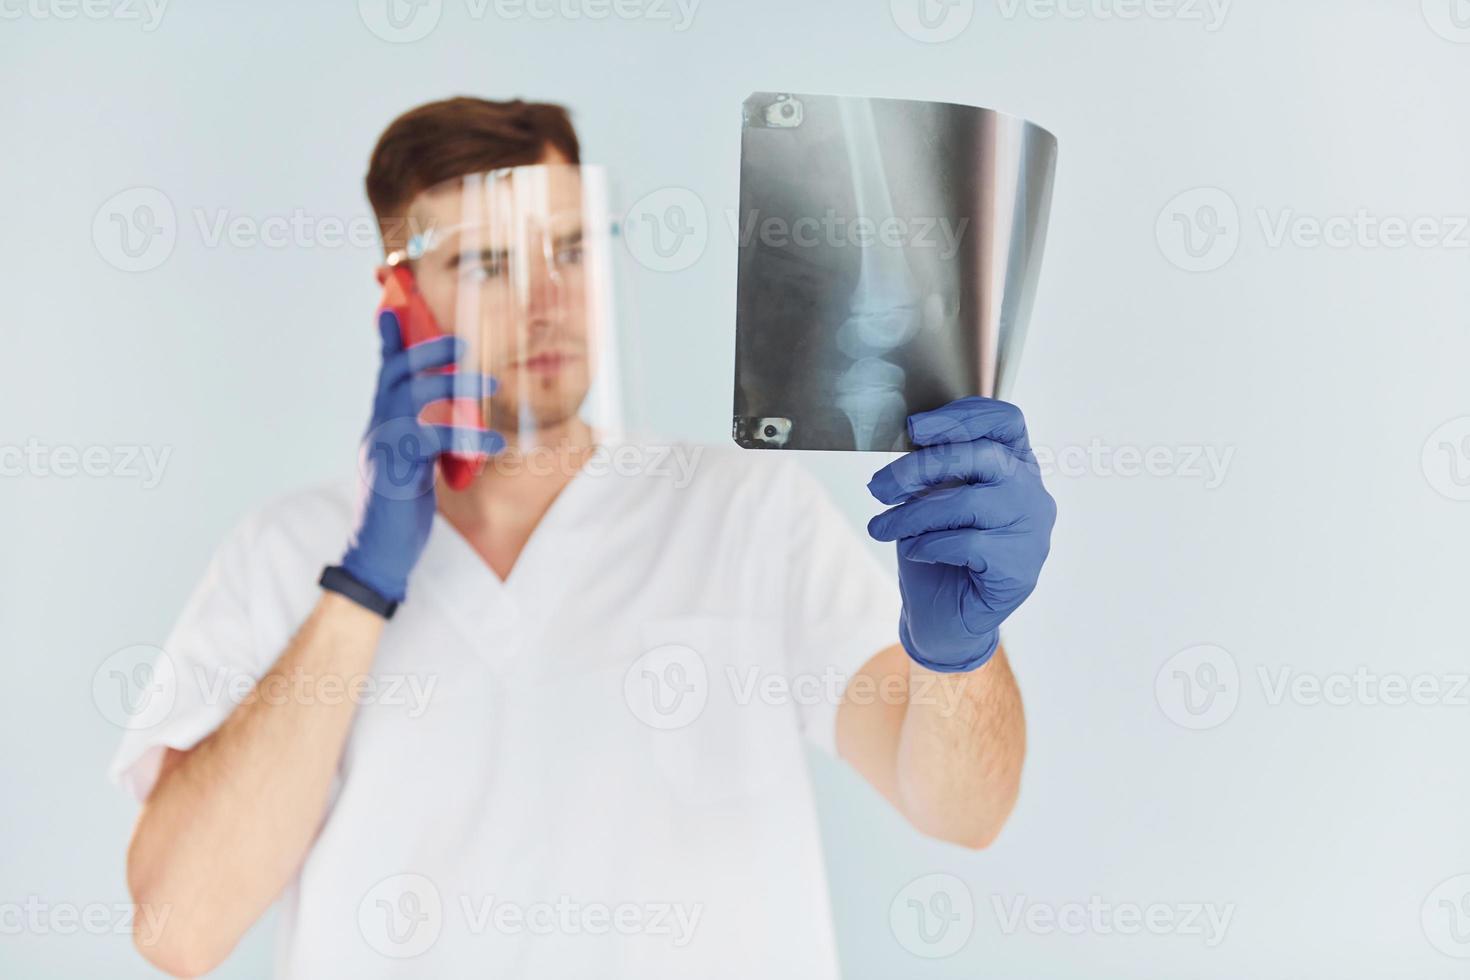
526, 818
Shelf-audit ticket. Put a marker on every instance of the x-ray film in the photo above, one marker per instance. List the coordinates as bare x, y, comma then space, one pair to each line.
889, 253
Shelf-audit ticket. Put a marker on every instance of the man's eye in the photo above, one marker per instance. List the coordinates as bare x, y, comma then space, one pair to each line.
569, 255
482, 270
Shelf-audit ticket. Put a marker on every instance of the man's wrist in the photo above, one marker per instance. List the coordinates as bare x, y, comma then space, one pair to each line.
383, 576
336, 578
985, 648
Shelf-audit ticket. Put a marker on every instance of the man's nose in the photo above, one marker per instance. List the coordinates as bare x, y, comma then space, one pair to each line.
544, 295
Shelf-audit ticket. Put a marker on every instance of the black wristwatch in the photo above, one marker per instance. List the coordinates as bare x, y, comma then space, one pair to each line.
337, 579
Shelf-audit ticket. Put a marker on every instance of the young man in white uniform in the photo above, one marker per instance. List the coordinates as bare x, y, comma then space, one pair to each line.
575, 749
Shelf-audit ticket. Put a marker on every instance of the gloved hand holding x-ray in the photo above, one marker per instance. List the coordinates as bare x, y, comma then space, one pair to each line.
973, 525
889, 254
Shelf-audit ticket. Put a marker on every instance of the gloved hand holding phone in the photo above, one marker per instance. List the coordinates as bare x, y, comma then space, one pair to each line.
399, 454
973, 525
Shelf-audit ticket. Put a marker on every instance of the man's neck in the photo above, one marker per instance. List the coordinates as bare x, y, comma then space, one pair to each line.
501, 507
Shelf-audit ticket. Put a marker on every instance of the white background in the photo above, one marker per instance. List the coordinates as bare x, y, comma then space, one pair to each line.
1332, 543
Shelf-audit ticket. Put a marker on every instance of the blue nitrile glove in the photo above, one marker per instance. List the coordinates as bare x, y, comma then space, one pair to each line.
398, 456
973, 526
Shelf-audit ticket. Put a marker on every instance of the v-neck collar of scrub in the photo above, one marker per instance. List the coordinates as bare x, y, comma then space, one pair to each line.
486, 607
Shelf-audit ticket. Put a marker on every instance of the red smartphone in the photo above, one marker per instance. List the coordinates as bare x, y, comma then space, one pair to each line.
401, 296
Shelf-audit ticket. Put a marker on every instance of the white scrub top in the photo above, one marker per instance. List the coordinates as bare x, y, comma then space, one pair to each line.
590, 769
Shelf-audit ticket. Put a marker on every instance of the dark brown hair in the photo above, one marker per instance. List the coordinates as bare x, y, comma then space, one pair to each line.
442, 140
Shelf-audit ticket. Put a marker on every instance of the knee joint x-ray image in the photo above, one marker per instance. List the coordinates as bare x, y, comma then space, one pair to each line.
889, 255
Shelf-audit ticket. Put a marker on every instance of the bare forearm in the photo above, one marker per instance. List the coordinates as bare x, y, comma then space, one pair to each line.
229, 822
960, 752
944, 749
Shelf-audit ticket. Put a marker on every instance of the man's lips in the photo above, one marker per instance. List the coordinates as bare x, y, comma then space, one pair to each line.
547, 362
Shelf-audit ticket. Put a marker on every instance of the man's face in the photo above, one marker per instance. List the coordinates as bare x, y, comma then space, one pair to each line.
506, 272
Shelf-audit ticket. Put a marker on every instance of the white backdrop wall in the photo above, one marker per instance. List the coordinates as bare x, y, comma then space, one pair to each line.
1226, 283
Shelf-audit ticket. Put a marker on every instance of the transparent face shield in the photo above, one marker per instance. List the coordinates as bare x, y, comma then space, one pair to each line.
517, 263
